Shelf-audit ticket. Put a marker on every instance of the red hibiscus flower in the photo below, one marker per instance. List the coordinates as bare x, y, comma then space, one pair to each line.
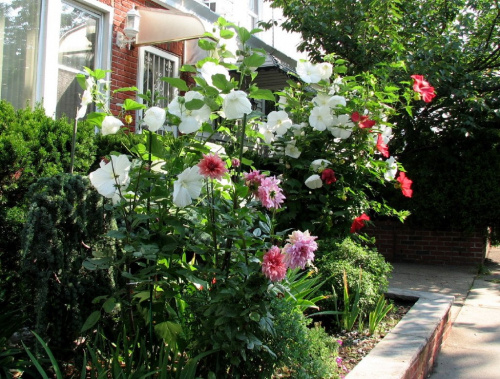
423, 87
212, 166
405, 184
328, 176
382, 147
364, 121
359, 222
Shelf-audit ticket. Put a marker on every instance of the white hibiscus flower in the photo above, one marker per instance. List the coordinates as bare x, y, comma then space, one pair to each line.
154, 118
236, 104
187, 186
279, 121
110, 125
321, 118
314, 181
111, 176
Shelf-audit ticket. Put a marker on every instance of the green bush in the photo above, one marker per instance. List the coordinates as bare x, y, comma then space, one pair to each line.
302, 351
66, 224
32, 146
333, 258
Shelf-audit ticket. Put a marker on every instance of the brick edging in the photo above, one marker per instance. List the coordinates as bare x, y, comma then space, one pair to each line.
411, 348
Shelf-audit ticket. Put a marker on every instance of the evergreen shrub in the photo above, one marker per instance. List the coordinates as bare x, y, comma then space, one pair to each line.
65, 225
32, 145
351, 256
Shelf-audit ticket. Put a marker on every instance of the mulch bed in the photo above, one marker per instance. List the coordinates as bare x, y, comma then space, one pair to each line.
357, 344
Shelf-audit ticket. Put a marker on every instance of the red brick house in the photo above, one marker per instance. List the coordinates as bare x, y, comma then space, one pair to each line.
45, 43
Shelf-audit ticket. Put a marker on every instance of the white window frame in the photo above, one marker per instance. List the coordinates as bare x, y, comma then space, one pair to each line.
48, 65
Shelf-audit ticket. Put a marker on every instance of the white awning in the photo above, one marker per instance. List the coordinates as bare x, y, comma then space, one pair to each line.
158, 26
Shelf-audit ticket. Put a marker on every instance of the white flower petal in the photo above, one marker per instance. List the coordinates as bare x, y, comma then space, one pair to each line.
187, 186
236, 104
314, 182
318, 165
154, 118
110, 125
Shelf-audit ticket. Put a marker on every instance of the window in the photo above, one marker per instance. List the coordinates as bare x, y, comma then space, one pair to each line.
155, 64
44, 44
19, 35
212, 4
79, 40
253, 13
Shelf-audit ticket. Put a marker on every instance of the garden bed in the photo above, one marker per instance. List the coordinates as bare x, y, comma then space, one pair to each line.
410, 349
357, 344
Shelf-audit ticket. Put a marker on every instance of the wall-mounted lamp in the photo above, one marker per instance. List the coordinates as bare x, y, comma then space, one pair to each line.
131, 29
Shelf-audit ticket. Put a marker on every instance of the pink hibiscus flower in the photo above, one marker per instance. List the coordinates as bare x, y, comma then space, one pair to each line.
423, 87
382, 147
405, 184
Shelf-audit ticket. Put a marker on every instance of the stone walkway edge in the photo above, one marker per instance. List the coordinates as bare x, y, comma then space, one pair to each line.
411, 348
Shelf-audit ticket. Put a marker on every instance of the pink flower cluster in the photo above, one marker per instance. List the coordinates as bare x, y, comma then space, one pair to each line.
300, 249
297, 253
266, 189
273, 266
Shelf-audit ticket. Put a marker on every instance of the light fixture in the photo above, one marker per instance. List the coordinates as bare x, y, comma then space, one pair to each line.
131, 29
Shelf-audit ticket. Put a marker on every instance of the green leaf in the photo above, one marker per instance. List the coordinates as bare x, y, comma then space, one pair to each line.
188, 68
246, 161
126, 89
177, 83
96, 118
254, 60
226, 34
221, 82
263, 94
53, 360
109, 305
91, 321
194, 104
244, 35
35, 361
254, 316
132, 105
82, 80
100, 74
116, 234
206, 44
169, 331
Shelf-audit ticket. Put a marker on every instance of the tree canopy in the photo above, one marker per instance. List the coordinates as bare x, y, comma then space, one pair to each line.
455, 44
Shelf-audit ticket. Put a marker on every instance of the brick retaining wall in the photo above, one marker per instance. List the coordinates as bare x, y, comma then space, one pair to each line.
398, 242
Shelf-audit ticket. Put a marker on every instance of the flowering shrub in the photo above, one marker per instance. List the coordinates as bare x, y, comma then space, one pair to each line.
198, 220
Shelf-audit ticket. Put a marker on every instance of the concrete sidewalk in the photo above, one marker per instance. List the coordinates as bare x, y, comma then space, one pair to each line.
472, 349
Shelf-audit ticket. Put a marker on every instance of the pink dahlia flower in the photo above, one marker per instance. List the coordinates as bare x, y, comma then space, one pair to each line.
300, 249
253, 180
212, 166
270, 194
273, 266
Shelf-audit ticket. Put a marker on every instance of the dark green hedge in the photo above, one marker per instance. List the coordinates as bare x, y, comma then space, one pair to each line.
455, 182
32, 146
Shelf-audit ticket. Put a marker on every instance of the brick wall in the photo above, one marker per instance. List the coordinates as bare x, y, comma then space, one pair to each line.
124, 62
398, 242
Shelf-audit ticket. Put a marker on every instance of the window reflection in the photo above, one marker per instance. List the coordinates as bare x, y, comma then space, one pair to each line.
77, 49
19, 34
